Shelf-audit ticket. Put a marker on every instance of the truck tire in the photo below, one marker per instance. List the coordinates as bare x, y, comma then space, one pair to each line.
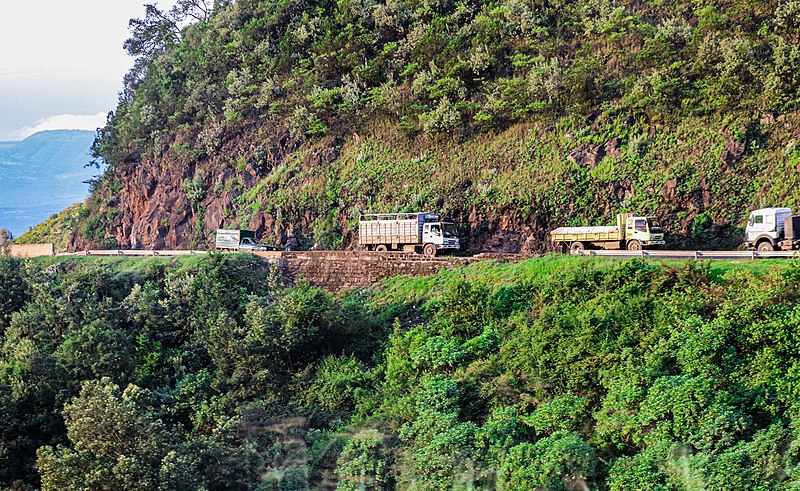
576, 248
429, 249
765, 246
634, 245
381, 248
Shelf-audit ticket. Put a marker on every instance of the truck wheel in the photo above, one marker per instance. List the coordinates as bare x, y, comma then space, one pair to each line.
380, 248
576, 248
765, 246
429, 249
634, 245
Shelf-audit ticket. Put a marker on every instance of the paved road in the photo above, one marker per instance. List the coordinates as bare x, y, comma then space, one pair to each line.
646, 253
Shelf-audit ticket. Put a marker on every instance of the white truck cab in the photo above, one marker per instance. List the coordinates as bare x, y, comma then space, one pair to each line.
410, 232
443, 234
765, 228
646, 230
248, 244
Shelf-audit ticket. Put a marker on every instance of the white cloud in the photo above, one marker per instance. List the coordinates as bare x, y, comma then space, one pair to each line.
65, 122
60, 57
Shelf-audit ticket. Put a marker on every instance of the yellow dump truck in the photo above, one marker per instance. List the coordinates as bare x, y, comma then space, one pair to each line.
632, 232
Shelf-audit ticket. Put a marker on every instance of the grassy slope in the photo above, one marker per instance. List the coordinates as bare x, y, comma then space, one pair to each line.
522, 174
56, 229
494, 273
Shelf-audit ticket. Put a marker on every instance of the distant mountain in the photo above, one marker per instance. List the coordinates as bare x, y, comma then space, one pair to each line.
42, 175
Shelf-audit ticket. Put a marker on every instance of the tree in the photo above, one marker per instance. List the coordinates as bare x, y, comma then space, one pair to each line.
365, 462
562, 461
13, 293
6, 239
117, 442
152, 34
440, 447
198, 10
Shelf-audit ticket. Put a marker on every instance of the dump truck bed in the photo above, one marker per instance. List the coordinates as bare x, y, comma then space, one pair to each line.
585, 234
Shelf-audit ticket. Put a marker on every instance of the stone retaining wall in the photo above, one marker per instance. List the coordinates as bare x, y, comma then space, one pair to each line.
336, 271
32, 250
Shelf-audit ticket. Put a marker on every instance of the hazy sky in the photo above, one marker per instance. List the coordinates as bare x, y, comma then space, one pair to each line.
62, 62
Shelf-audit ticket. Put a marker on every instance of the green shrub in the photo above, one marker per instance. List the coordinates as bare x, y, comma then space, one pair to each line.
365, 462
561, 461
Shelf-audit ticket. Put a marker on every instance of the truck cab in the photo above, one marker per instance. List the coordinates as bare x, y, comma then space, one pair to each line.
238, 240
442, 234
643, 232
248, 244
765, 227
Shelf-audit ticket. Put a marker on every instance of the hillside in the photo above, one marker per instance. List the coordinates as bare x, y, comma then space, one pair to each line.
292, 117
43, 174
555, 373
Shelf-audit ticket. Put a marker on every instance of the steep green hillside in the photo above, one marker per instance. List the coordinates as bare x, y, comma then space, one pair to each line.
553, 373
291, 117
57, 229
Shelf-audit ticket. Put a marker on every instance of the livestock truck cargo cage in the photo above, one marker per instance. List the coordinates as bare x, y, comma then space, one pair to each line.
632, 232
408, 232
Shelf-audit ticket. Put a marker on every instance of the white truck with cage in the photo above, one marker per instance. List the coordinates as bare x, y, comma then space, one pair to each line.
407, 232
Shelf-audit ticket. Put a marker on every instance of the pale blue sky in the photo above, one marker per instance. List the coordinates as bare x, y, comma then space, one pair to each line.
62, 63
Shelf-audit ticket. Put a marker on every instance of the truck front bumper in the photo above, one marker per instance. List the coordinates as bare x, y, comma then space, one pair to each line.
654, 242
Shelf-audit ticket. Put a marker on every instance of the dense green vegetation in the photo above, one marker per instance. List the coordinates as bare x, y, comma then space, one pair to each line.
56, 229
540, 113
553, 373
445, 65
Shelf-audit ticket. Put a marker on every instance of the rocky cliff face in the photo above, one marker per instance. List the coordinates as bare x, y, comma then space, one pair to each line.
504, 200
154, 211
175, 201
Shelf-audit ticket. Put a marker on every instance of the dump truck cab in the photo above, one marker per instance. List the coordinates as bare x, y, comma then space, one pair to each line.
642, 231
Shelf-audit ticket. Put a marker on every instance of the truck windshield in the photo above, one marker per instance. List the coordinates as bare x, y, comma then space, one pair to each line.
450, 230
655, 226
247, 240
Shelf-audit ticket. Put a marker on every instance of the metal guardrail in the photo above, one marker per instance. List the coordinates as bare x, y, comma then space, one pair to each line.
131, 253
695, 254
307, 255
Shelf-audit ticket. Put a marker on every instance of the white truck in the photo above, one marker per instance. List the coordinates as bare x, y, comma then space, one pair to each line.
769, 229
409, 232
632, 232
238, 240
